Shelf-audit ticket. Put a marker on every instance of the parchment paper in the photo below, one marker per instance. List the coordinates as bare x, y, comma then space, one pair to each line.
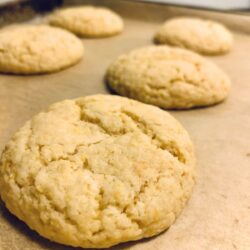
218, 215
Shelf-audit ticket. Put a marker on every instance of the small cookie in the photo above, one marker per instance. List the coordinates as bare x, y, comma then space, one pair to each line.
32, 49
167, 77
88, 21
203, 36
97, 171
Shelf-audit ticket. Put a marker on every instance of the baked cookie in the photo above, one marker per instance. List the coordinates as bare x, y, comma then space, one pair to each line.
32, 49
203, 36
97, 171
170, 78
88, 21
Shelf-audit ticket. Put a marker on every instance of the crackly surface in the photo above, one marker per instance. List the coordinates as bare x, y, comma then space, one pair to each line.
168, 77
31, 49
99, 170
203, 36
88, 21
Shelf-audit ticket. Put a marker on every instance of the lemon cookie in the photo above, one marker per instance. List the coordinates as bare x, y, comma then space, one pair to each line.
88, 21
31, 49
203, 36
97, 171
167, 77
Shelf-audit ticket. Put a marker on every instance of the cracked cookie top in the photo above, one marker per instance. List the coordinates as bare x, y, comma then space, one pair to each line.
88, 21
167, 77
33, 49
203, 36
97, 171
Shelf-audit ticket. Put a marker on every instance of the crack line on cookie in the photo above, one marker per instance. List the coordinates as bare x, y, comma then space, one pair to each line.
170, 146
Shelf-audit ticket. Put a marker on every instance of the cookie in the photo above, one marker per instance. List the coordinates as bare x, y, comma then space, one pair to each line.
170, 78
203, 36
88, 21
97, 171
32, 49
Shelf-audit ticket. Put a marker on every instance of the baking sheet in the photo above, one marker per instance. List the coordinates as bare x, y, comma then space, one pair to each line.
218, 214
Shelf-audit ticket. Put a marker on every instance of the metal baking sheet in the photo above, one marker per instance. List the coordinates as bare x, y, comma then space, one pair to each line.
218, 215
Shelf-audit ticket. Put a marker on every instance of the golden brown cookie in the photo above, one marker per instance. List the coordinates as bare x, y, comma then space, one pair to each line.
167, 77
32, 49
97, 171
203, 36
88, 21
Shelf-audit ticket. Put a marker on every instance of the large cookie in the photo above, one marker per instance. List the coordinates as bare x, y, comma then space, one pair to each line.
97, 171
88, 21
203, 36
32, 49
167, 77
